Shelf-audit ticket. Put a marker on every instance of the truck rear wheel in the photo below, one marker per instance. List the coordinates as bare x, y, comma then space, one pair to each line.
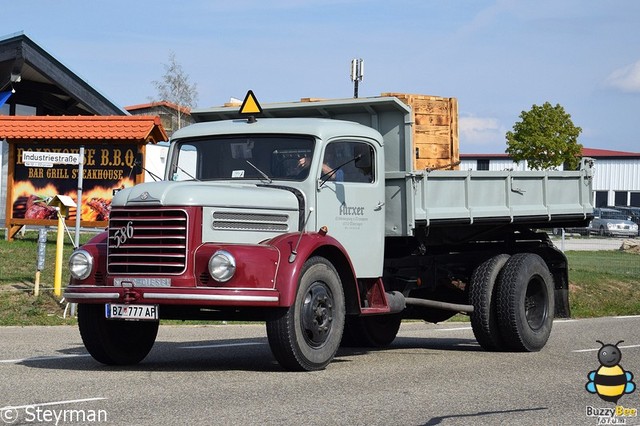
115, 342
525, 303
371, 331
306, 336
484, 318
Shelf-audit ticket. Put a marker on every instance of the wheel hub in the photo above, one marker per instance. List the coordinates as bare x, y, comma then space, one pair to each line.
317, 314
535, 305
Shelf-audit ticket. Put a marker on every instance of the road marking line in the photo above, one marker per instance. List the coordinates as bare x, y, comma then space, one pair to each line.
596, 350
227, 345
453, 329
40, 358
43, 404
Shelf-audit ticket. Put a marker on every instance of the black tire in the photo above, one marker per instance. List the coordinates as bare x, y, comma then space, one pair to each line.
601, 232
115, 342
483, 295
371, 331
525, 303
306, 336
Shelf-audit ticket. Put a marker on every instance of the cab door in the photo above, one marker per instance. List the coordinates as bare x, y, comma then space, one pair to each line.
350, 201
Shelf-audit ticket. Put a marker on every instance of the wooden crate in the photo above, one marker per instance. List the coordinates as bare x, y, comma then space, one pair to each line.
435, 130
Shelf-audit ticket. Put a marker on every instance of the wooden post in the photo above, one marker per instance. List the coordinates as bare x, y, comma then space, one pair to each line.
36, 285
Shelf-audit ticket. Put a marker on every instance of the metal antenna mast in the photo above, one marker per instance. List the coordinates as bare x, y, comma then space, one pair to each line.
357, 72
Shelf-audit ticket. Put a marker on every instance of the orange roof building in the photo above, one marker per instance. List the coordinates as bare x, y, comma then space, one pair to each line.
114, 157
172, 116
141, 129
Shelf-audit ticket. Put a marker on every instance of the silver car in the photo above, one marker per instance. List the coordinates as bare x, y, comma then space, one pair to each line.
612, 222
631, 211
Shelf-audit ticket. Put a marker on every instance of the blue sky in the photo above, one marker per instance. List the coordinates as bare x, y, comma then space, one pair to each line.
498, 58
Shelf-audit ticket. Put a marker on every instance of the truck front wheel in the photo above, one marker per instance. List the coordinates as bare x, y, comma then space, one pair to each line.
115, 342
306, 336
525, 303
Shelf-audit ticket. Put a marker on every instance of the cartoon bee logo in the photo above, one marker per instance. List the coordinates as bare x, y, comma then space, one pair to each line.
610, 381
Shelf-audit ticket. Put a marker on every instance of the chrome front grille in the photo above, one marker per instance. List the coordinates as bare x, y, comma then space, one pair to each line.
240, 221
147, 241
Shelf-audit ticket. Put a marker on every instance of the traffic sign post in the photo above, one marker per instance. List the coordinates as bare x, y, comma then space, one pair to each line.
62, 203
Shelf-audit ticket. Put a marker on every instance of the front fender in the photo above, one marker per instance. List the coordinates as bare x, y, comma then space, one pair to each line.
311, 243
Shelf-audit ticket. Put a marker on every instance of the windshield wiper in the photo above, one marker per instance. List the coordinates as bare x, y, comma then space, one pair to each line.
154, 176
264, 175
187, 173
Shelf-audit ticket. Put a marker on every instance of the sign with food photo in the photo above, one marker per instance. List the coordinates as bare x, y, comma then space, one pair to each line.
105, 169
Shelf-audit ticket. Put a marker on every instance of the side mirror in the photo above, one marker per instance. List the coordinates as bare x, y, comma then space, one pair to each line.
362, 156
137, 165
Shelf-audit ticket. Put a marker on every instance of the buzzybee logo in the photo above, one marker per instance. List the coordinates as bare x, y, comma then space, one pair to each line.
610, 382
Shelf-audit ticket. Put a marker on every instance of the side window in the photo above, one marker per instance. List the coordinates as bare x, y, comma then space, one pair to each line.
353, 161
187, 163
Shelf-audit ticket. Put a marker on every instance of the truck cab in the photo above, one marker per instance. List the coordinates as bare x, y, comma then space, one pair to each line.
333, 169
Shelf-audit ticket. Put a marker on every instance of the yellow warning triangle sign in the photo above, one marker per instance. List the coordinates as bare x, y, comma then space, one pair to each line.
250, 104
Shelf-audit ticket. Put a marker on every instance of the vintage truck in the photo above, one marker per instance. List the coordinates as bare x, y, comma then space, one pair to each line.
312, 218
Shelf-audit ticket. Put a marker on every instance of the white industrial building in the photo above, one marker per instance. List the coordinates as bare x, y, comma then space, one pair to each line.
616, 179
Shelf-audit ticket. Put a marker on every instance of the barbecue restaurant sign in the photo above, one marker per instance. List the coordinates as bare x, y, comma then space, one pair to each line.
42, 173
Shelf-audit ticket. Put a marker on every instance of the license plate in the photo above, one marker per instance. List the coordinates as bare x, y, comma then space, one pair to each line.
142, 282
138, 312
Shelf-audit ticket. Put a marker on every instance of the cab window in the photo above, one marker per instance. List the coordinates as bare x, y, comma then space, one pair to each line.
350, 161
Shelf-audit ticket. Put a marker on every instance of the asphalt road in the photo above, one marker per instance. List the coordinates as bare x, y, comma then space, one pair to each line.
431, 375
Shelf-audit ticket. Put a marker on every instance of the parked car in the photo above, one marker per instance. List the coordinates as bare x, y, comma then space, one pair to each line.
632, 212
612, 222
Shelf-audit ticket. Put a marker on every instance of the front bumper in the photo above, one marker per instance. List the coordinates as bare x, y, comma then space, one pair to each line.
171, 296
623, 233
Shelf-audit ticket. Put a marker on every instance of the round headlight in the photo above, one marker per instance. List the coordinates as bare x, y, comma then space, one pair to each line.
80, 264
222, 266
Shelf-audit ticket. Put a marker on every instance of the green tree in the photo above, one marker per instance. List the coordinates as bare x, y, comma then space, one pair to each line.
546, 138
175, 87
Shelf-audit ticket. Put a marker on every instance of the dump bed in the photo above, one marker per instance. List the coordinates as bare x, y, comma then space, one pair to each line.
544, 199
445, 197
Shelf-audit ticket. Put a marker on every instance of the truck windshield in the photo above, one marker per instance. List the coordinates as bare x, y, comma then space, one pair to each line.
262, 157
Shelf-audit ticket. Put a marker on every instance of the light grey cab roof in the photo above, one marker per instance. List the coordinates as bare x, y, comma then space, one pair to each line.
324, 129
341, 109
382, 113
